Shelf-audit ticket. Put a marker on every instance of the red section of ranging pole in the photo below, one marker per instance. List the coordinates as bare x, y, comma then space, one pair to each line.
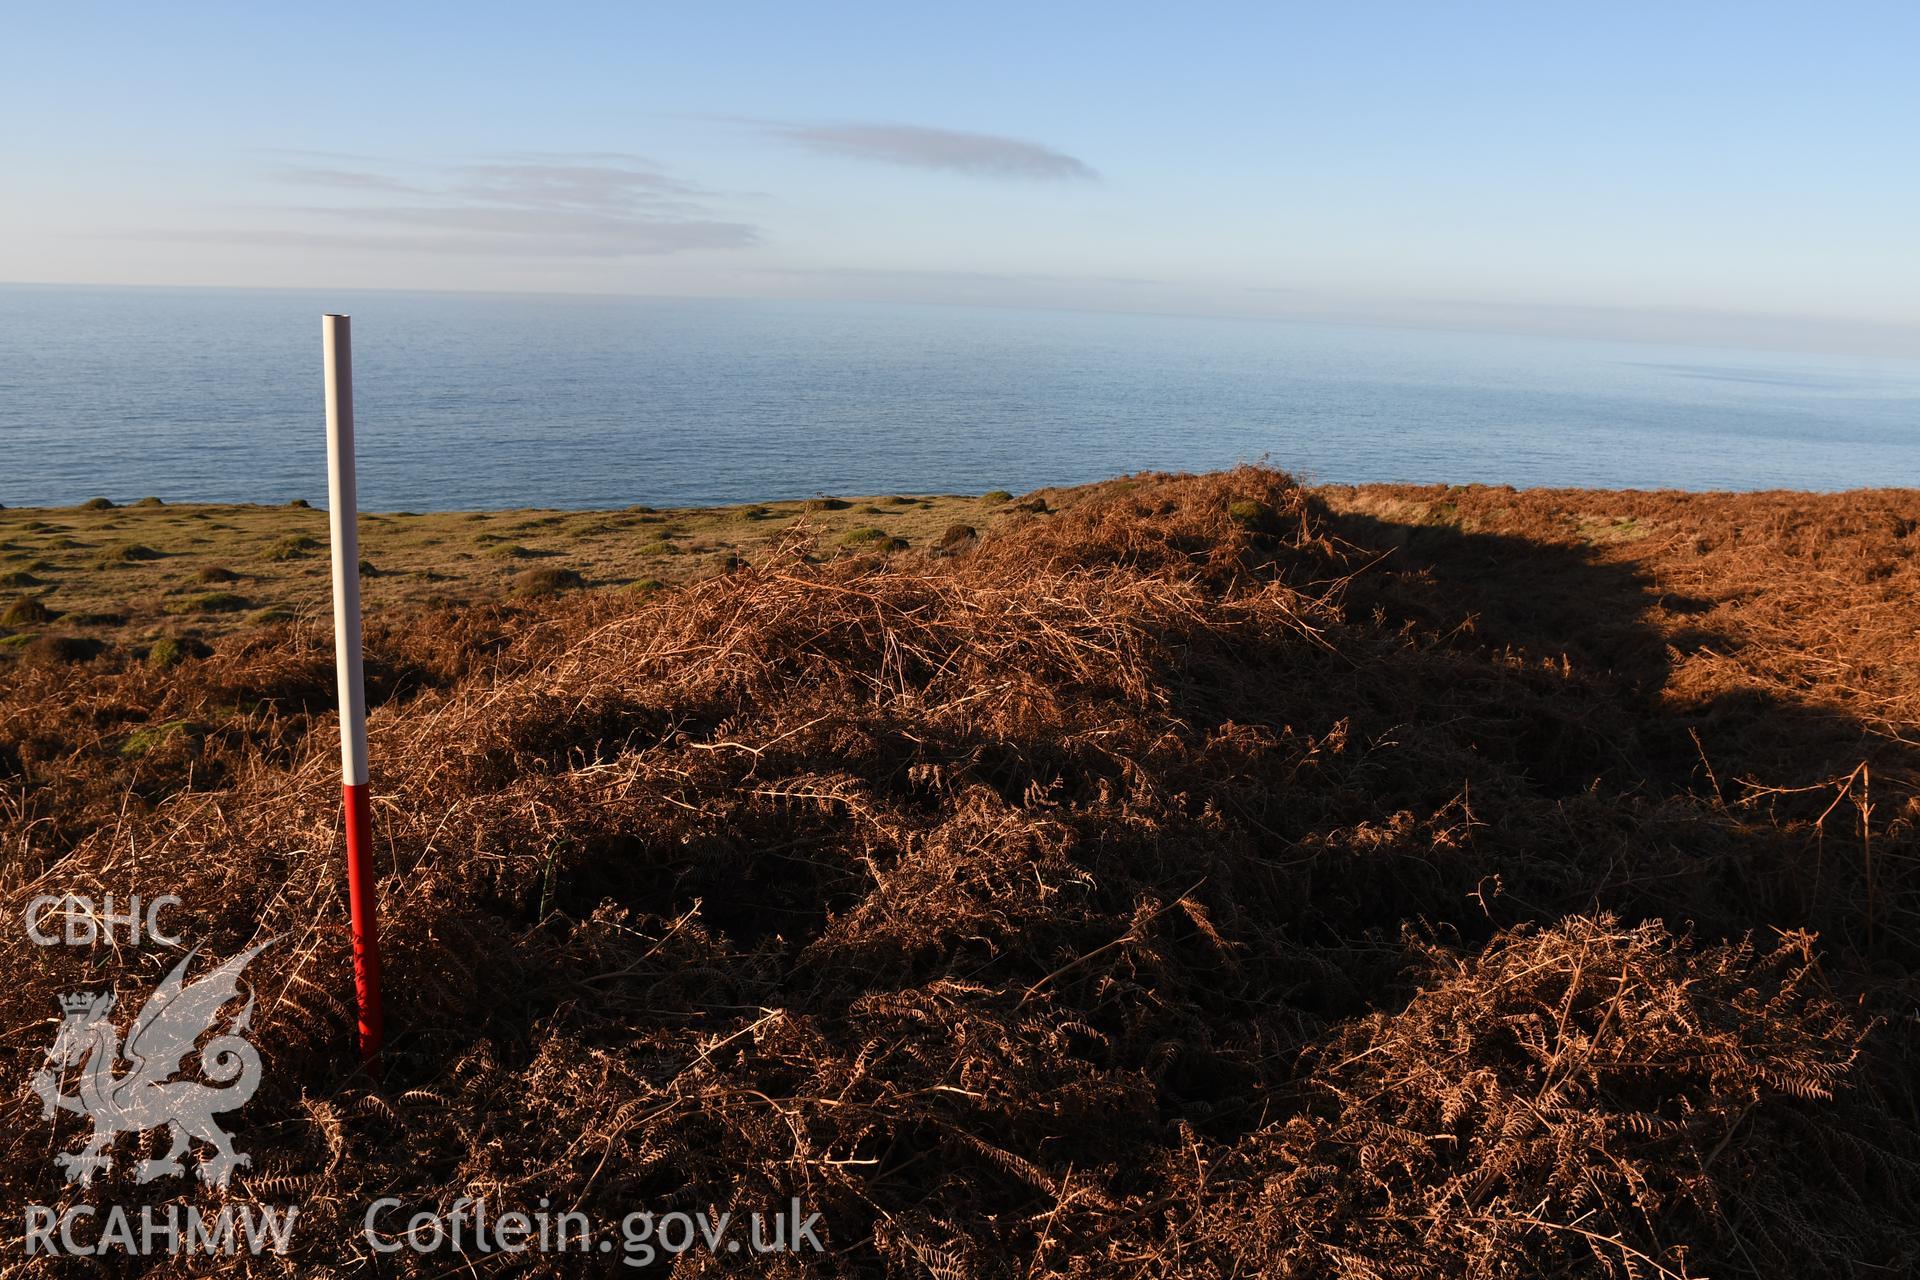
362, 903
343, 518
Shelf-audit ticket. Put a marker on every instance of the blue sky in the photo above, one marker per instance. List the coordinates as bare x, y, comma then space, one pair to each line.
1718, 172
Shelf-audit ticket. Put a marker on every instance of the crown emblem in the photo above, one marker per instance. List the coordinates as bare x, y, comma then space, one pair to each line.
82, 1002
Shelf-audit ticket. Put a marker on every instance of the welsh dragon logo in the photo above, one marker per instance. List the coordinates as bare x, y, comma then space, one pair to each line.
145, 1095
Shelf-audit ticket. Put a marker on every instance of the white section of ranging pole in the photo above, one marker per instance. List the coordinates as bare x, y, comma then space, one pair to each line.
343, 511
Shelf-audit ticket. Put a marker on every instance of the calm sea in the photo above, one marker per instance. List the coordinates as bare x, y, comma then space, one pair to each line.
493, 401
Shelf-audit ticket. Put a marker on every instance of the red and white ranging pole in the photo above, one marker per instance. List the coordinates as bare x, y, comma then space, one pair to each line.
343, 518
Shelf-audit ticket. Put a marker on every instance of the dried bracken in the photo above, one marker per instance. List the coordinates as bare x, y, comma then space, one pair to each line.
1187, 879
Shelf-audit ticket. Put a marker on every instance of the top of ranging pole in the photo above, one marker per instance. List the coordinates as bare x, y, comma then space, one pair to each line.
343, 512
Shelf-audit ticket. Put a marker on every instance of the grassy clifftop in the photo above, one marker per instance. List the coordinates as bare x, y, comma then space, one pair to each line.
137, 574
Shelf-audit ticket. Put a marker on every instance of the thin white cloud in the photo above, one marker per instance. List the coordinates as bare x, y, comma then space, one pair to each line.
984, 155
562, 205
344, 179
958, 277
603, 186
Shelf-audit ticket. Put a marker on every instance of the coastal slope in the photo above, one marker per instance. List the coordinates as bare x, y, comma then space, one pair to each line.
1185, 875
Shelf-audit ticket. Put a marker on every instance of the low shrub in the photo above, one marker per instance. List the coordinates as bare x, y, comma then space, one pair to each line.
547, 581
58, 650
27, 611
868, 538
171, 651
957, 535
297, 547
129, 553
1251, 514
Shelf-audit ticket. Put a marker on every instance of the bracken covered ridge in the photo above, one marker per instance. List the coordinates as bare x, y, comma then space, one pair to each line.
1201, 877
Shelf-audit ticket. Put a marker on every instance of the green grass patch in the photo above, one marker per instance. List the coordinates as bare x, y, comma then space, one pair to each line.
1600, 529
141, 741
